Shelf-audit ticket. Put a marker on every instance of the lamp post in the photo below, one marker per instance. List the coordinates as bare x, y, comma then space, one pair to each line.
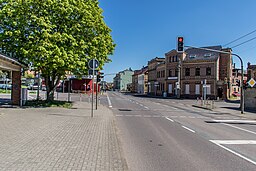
241, 84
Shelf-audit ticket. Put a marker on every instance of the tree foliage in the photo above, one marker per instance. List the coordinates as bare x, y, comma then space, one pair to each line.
55, 35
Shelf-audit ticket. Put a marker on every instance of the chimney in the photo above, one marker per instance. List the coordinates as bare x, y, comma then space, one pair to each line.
248, 65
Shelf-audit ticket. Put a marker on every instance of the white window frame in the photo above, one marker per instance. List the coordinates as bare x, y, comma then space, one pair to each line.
187, 89
197, 90
169, 88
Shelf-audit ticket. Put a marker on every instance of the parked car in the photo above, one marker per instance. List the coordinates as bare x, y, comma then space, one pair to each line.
6, 86
236, 94
32, 87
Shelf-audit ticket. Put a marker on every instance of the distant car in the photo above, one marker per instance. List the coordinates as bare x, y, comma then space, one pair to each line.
6, 86
236, 94
32, 87
43, 88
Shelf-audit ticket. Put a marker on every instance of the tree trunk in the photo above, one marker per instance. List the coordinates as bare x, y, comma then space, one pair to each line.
51, 83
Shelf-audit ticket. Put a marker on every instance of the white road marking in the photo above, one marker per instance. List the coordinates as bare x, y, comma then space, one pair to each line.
234, 142
240, 128
235, 121
109, 102
146, 107
188, 129
119, 115
235, 153
169, 119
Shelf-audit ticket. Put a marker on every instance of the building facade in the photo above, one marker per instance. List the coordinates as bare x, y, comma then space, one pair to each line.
152, 74
123, 79
192, 73
206, 71
251, 70
143, 81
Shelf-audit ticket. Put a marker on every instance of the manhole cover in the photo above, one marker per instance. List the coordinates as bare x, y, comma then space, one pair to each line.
125, 110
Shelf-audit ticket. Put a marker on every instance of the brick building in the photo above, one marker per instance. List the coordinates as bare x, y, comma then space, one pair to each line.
251, 70
140, 81
199, 66
172, 64
196, 66
153, 66
13, 66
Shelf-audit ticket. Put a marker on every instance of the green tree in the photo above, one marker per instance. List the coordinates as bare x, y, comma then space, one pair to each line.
55, 36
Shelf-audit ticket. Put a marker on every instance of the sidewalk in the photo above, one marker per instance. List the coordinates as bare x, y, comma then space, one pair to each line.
59, 139
223, 107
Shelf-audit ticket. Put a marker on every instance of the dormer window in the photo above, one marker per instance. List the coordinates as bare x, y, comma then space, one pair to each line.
192, 56
208, 55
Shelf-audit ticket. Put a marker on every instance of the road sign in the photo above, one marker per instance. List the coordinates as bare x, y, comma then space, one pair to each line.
90, 72
93, 64
252, 82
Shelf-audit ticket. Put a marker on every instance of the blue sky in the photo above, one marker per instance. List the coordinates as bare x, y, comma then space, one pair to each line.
144, 29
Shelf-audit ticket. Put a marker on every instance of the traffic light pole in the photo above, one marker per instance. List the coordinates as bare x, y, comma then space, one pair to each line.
96, 104
93, 69
242, 73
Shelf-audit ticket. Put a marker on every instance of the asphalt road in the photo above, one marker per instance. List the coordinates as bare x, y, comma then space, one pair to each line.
168, 134
163, 134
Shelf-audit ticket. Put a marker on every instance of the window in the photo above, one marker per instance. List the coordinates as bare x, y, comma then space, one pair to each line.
208, 55
176, 72
197, 71
192, 56
170, 59
158, 74
208, 71
162, 73
187, 71
187, 89
170, 73
197, 89
208, 89
176, 58
170, 88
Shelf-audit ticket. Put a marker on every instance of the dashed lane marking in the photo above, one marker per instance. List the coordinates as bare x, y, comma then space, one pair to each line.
109, 102
191, 130
169, 119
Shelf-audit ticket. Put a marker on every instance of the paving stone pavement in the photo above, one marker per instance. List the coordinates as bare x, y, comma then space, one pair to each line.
45, 139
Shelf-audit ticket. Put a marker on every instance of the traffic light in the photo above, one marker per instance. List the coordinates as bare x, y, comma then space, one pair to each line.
245, 84
180, 44
100, 75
